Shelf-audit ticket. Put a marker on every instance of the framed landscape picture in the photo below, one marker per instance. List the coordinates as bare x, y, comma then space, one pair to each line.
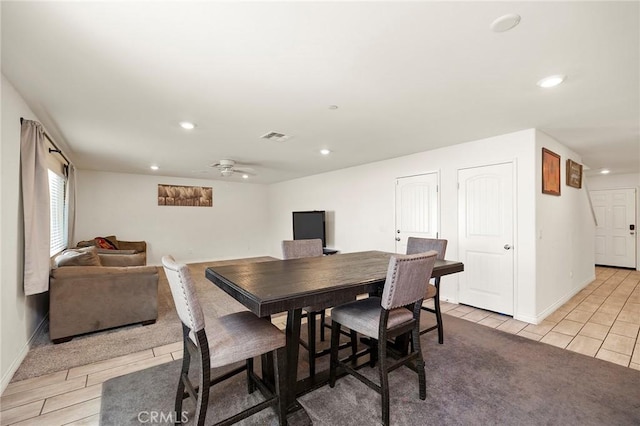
178, 195
550, 172
574, 174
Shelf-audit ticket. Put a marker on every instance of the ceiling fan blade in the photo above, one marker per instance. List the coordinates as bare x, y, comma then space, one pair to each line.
247, 170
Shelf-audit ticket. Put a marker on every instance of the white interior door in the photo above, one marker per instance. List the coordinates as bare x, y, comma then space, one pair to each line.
485, 224
416, 208
615, 243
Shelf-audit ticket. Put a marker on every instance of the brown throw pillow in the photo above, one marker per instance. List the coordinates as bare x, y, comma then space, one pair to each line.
78, 257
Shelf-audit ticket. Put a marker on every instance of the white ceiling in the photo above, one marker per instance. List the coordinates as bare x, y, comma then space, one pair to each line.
111, 80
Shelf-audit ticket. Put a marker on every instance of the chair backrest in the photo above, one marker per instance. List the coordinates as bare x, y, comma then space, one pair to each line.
184, 293
296, 249
407, 279
423, 245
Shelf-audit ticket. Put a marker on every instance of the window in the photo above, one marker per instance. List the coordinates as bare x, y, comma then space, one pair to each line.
58, 223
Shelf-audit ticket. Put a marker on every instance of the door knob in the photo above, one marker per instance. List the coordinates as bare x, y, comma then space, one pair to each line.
397, 238
507, 247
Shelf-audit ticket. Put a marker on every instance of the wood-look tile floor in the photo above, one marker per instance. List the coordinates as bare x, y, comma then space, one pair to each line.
601, 321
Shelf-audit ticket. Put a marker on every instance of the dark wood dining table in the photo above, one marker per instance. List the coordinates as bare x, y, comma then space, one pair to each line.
272, 287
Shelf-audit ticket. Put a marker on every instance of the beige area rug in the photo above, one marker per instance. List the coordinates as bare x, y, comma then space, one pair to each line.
44, 357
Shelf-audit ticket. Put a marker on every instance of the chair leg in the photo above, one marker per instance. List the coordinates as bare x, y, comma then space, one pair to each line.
411, 347
204, 379
184, 372
354, 344
322, 324
251, 386
279, 367
436, 302
335, 342
374, 352
384, 381
419, 363
311, 341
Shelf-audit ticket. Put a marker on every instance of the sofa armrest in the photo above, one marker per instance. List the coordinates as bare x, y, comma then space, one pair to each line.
83, 299
113, 258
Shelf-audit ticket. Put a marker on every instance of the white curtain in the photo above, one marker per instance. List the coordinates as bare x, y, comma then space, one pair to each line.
35, 203
70, 204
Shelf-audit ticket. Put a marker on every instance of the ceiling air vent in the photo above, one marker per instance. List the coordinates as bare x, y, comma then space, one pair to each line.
275, 136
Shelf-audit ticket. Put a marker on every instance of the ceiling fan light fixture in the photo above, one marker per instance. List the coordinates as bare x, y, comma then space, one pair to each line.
551, 81
505, 23
228, 167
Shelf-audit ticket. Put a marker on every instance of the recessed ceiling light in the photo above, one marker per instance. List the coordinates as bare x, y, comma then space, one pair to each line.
187, 125
505, 23
154, 167
245, 176
605, 171
333, 106
325, 151
551, 81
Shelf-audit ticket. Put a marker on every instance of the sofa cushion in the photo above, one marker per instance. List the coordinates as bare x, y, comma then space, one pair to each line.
87, 256
116, 258
111, 251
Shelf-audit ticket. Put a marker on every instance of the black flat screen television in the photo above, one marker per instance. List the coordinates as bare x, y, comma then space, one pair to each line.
309, 225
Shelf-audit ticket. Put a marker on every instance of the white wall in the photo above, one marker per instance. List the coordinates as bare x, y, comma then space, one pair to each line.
126, 205
629, 180
361, 205
250, 220
20, 316
565, 233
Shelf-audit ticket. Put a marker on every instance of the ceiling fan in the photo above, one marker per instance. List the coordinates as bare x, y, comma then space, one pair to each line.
229, 167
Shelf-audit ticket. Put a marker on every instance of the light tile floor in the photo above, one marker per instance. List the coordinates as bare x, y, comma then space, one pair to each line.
601, 321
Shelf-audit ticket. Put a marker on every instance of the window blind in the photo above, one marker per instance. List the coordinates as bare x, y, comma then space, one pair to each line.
58, 233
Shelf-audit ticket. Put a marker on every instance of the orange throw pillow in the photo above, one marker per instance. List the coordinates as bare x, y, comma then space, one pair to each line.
103, 243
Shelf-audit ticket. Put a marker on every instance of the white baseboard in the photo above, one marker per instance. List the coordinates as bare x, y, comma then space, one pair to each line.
537, 319
21, 355
551, 309
526, 318
449, 300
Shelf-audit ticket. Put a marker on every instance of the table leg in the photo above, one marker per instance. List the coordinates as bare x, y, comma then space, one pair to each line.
268, 374
292, 332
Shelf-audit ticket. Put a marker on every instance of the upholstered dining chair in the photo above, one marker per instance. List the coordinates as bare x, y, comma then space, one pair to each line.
380, 318
222, 341
297, 249
423, 245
